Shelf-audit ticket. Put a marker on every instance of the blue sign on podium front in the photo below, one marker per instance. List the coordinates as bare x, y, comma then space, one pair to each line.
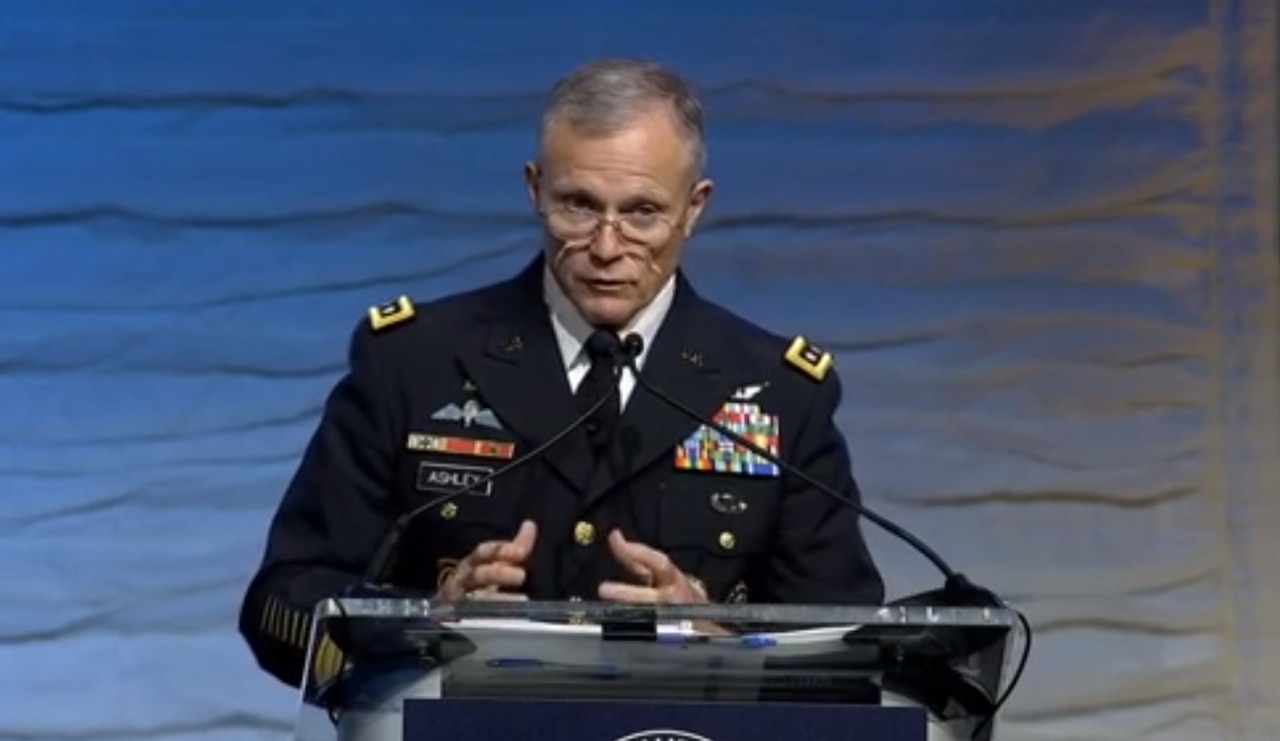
593, 720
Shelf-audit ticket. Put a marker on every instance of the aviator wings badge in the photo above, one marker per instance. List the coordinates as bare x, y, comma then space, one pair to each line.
469, 413
747, 393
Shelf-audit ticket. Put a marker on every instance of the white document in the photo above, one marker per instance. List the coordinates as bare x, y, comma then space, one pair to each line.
516, 643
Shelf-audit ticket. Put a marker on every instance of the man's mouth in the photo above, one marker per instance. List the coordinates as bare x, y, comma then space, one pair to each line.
607, 285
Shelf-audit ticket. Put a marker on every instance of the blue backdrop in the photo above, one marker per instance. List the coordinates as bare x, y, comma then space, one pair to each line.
1039, 235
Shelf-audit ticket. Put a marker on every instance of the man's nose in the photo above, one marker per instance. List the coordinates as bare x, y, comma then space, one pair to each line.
608, 243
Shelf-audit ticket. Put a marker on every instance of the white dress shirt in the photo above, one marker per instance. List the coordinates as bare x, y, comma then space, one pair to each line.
572, 331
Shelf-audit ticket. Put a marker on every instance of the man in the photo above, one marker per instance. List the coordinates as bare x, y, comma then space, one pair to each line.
626, 508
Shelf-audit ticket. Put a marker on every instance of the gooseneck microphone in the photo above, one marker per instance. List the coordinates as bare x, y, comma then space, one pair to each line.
383, 561
962, 591
958, 590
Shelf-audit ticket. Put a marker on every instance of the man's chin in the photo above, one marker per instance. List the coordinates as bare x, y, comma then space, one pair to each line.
608, 311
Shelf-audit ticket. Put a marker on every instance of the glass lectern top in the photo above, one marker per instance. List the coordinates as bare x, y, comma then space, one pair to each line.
779, 616
369, 656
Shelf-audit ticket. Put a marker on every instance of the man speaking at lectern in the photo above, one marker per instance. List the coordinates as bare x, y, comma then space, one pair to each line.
640, 503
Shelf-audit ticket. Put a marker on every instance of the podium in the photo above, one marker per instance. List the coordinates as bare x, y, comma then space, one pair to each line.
386, 669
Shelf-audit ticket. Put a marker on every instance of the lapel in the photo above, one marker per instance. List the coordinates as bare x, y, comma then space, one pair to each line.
693, 361
518, 372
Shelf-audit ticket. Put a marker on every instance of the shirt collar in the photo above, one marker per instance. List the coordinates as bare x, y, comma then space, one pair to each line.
572, 330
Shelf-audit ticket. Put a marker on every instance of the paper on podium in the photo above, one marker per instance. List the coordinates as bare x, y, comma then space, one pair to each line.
506, 645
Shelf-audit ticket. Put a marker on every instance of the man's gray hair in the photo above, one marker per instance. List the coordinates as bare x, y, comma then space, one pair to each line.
607, 97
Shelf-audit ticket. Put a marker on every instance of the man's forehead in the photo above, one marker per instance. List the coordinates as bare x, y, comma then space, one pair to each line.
651, 143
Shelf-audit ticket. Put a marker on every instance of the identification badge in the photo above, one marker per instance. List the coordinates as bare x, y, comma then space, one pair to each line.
446, 478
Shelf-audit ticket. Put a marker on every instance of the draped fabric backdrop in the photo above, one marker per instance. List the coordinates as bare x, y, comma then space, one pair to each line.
1040, 237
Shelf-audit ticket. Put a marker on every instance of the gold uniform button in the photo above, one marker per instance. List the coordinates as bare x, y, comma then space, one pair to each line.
448, 510
584, 533
728, 540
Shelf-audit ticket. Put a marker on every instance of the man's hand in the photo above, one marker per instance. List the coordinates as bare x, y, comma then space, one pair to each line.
662, 581
492, 567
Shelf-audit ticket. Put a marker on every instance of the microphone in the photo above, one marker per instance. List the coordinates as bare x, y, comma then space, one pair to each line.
379, 567
957, 590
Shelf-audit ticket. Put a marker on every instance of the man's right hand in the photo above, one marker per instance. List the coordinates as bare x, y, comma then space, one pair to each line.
492, 567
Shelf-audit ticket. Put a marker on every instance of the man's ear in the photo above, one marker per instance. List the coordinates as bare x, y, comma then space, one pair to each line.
698, 198
532, 175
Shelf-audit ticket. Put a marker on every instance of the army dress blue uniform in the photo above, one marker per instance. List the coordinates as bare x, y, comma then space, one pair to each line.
439, 394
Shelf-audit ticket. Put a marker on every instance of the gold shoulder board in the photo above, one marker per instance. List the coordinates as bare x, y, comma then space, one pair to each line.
390, 314
812, 360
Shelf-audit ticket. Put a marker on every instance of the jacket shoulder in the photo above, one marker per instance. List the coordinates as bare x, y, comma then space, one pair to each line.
794, 357
405, 321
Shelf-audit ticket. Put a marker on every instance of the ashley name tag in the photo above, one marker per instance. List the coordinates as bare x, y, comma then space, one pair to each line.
447, 478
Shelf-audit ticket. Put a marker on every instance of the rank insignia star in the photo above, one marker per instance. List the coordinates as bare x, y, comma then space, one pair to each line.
388, 315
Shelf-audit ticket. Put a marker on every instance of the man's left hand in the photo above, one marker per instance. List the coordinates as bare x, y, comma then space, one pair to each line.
662, 582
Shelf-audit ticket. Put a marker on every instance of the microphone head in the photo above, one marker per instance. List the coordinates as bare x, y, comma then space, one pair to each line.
633, 345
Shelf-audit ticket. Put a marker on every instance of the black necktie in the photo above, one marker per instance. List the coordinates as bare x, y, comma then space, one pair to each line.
604, 349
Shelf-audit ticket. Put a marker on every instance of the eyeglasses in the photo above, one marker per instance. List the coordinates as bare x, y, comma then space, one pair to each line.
574, 223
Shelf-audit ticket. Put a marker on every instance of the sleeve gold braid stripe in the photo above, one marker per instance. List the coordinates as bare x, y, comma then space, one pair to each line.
284, 623
297, 633
270, 617
262, 616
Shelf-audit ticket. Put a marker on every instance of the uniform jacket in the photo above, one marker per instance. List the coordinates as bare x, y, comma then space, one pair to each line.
452, 389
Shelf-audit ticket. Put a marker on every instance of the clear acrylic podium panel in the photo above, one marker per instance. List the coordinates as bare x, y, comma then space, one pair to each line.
368, 656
